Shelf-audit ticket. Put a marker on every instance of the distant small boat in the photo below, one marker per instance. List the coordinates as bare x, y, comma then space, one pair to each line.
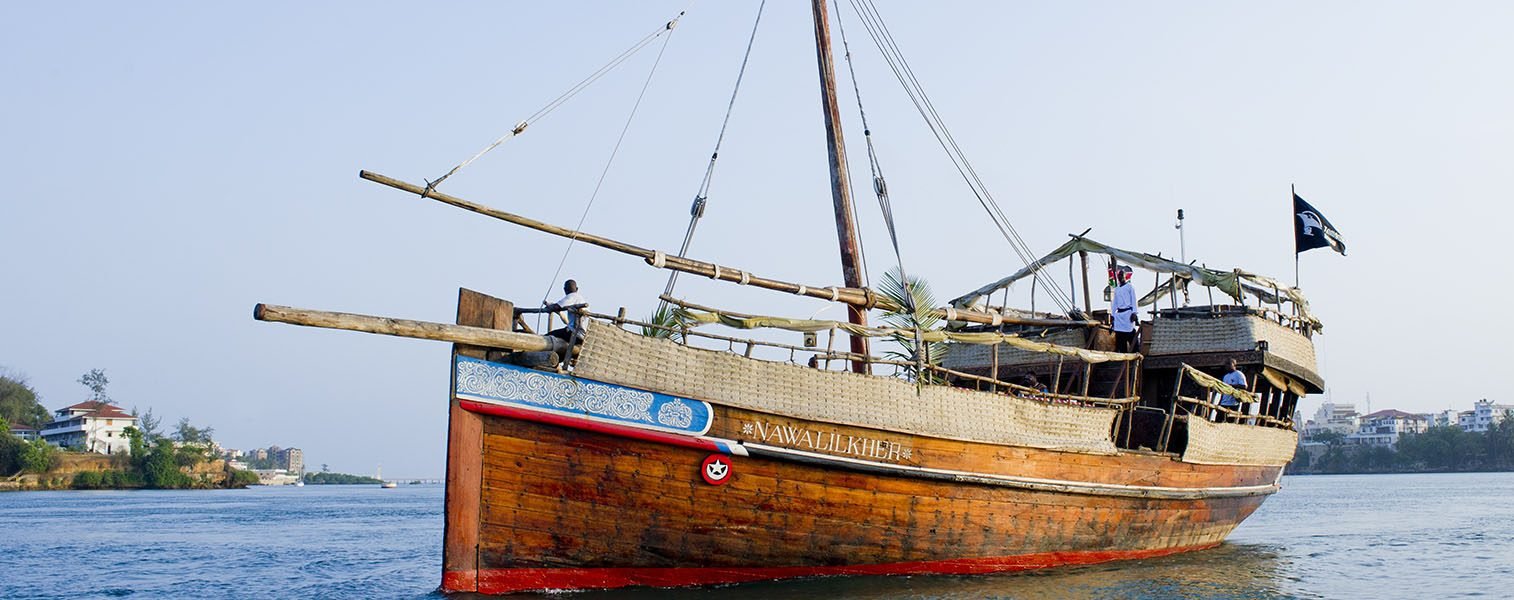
389, 484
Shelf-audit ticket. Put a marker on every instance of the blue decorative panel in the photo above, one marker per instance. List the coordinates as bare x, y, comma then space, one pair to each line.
485, 381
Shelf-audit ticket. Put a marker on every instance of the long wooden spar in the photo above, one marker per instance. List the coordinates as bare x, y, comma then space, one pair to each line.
426, 330
859, 297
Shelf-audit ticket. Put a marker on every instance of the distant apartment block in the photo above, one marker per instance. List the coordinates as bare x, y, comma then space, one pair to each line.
1484, 415
1445, 418
1384, 427
1340, 418
292, 459
91, 426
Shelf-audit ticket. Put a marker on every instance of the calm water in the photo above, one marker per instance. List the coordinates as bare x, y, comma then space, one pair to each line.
1377, 536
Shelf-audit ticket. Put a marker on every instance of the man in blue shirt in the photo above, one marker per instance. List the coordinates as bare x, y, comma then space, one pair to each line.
1236, 379
1122, 312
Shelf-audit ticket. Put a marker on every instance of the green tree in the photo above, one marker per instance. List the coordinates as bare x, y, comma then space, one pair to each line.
189, 434
137, 444
19, 403
1498, 443
149, 424
240, 478
96, 381
11, 448
1331, 437
338, 478
1300, 460
160, 469
88, 480
39, 456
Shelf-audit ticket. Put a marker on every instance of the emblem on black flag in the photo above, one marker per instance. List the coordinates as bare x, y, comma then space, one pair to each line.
1312, 230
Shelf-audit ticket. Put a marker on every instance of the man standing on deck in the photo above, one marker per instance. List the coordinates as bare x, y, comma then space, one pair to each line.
1236, 379
1122, 312
572, 302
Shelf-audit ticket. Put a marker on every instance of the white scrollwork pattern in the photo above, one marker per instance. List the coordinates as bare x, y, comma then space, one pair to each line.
540, 389
675, 414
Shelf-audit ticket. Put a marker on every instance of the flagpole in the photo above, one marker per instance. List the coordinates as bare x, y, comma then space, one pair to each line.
1293, 189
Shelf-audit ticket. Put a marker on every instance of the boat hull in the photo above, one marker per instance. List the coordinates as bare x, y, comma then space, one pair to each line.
571, 504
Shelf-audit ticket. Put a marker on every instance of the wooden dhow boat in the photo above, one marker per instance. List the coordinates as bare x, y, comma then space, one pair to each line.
669, 455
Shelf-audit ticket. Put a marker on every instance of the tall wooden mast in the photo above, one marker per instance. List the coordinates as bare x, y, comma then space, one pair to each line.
841, 194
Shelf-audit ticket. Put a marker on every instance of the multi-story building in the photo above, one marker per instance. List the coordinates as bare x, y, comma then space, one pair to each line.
1384, 427
292, 459
258, 454
1484, 414
91, 426
1445, 418
1340, 418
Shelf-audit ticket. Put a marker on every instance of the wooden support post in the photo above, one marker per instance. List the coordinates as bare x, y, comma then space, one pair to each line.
993, 370
1056, 380
1087, 376
463, 500
1172, 413
1087, 297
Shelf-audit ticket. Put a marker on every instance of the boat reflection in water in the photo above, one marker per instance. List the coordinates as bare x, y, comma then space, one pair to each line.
1228, 571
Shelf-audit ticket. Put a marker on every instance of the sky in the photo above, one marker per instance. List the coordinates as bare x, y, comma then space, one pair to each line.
169, 165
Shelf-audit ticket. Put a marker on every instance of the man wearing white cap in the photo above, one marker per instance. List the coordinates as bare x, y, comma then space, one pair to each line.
1122, 312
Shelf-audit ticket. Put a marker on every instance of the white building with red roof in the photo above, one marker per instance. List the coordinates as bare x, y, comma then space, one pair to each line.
1384, 427
92, 426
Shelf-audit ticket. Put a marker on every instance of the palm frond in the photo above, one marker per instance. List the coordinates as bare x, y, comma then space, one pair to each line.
670, 321
916, 314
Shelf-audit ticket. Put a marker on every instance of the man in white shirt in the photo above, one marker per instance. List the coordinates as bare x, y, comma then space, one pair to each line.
571, 302
1122, 312
1236, 379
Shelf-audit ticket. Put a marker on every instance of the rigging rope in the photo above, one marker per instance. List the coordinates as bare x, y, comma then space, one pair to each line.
873, 22
921, 352
880, 188
564, 97
611, 161
701, 197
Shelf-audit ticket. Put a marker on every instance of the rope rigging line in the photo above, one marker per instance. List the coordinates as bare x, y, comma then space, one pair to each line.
883, 38
611, 161
880, 190
701, 197
563, 98
880, 187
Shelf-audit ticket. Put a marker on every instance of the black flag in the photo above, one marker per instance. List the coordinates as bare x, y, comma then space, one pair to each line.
1312, 230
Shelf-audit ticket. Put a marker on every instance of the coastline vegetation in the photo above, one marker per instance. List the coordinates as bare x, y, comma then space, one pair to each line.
153, 461
1437, 450
329, 478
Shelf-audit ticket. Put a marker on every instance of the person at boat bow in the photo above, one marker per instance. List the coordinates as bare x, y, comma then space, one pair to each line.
1122, 312
572, 302
1236, 379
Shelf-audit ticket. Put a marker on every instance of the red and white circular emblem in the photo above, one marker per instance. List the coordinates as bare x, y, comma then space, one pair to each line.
716, 469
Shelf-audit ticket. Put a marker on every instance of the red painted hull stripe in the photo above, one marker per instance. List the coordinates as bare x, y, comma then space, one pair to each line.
672, 439
505, 581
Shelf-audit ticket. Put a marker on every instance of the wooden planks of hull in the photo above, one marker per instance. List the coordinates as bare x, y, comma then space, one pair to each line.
565, 508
